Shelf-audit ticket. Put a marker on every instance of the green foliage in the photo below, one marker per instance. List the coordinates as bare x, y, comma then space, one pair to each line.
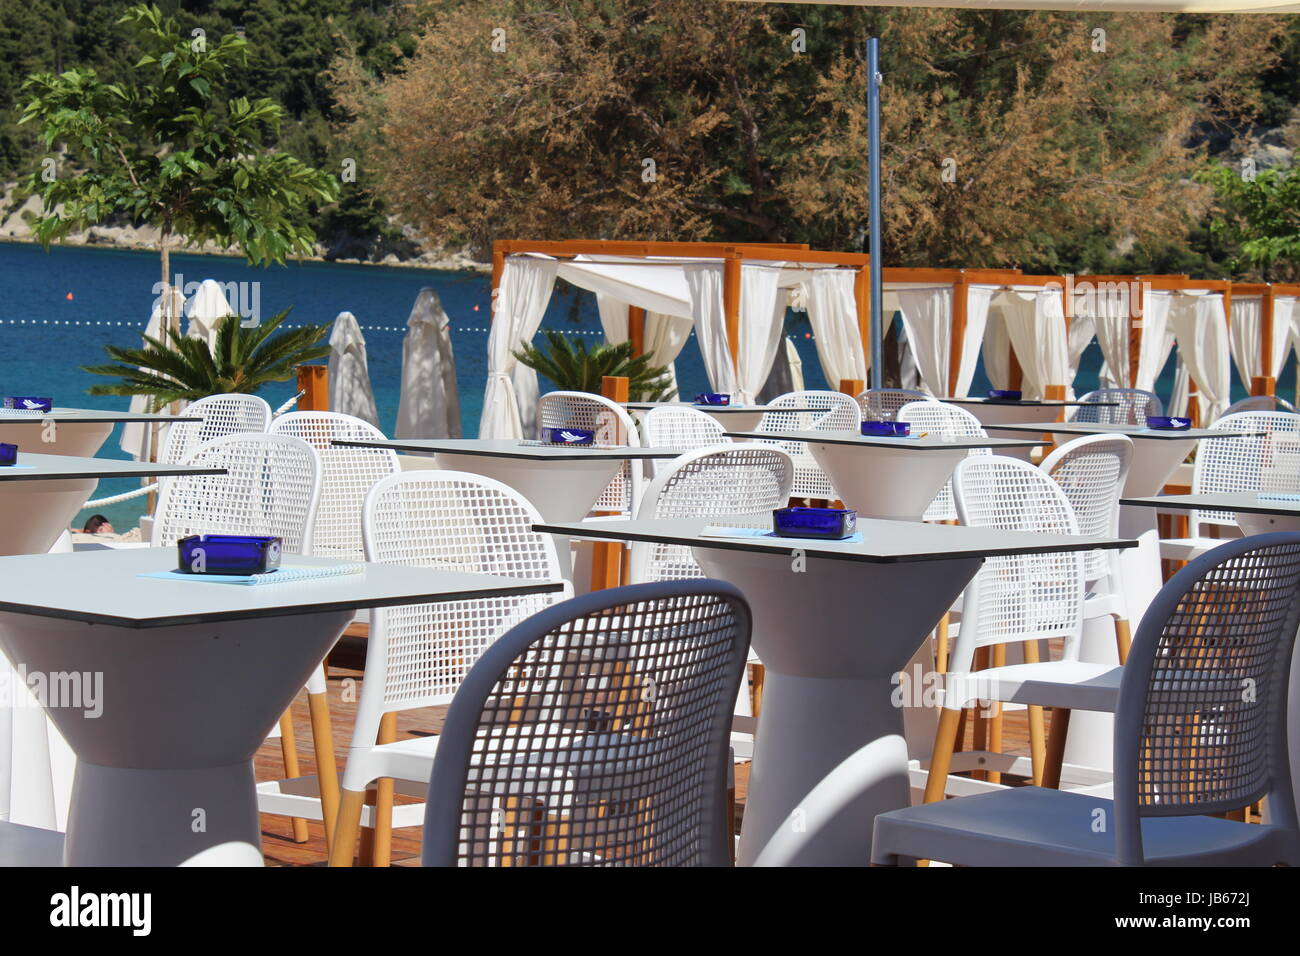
242, 359
571, 367
159, 149
1260, 217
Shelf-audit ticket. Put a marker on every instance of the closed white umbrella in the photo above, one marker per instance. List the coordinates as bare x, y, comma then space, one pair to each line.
136, 435
205, 310
430, 403
349, 372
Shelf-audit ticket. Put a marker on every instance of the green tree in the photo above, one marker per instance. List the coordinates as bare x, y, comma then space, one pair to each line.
1260, 217
165, 149
572, 367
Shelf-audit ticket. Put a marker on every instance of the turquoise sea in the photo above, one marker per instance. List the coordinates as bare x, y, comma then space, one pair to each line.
61, 307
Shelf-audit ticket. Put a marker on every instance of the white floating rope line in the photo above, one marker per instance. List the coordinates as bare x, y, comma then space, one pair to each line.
288, 405
125, 496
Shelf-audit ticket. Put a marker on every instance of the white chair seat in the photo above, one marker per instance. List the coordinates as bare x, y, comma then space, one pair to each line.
1074, 685
1032, 826
1185, 549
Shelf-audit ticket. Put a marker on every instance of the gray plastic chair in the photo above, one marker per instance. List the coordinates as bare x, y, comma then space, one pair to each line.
1132, 408
1200, 729
595, 734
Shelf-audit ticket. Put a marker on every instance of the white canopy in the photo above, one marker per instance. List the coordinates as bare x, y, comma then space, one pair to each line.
430, 404
349, 371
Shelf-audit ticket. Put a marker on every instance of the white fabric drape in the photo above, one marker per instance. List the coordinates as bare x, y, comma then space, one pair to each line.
349, 371
1201, 332
1157, 339
1245, 333
704, 283
762, 316
1035, 324
1285, 315
927, 319
613, 318
205, 310
1109, 311
522, 296
978, 298
997, 349
833, 312
429, 406
1083, 329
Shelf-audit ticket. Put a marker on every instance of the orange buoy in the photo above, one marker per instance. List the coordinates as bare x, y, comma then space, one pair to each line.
69, 296
475, 308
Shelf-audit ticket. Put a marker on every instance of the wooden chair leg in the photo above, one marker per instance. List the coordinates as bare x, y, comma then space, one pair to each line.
757, 672
1055, 755
1123, 638
382, 843
945, 740
327, 770
941, 645
1037, 727
996, 718
349, 823
289, 751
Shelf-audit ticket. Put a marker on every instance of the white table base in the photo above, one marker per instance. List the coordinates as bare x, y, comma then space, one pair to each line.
57, 437
830, 752
879, 481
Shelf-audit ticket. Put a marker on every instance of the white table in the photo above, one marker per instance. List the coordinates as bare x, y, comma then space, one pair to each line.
740, 417
886, 477
194, 676
71, 431
834, 623
997, 411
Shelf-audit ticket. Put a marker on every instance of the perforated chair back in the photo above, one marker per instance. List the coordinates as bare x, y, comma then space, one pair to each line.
941, 420
1018, 597
685, 428
347, 475
737, 480
1201, 725
1268, 460
832, 411
1132, 406
1091, 471
882, 404
271, 487
613, 427
222, 415
453, 521
1260, 403
595, 734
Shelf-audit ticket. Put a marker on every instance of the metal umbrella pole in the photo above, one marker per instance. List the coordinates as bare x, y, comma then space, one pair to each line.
873, 224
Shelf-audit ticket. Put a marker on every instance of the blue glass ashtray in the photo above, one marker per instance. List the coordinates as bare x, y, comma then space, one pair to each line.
27, 403
228, 554
1005, 394
1169, 423
568, 436
8, 454
712, 398
831, 523
886, 429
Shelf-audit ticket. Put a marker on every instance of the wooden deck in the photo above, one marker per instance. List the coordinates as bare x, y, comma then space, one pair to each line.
344, 692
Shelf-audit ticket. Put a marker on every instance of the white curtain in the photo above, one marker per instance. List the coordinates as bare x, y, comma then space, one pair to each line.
522, 296
978, 298
1201, 332
429, 406
704, 283
762, 316
1157, 339
1083, 329
613, 318
1285, 315
349, 371
664, 334
1109, 310
997, 348
833, 312
1246, 330
927, 319
1035, 324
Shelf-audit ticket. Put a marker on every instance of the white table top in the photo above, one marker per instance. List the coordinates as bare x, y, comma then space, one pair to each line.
105, 587
1132, 431
513, 448
89, 416
1043, 402
929, 443
883, 541
50, 467
718, 409
1247, 502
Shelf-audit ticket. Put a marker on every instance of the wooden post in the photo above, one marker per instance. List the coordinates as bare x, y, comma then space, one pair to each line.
607, 556
1136, 323
862, 298
960, 293
853, 387
313, 382
636, 329
1264, 383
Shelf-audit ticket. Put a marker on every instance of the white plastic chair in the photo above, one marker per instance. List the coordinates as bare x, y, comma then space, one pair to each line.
942, 420
347, 475
882, 404
1189, 743
1132, 407
833, 411
612, 425
1259, 403
222, 415
1267, 461
666, 426
1022, 598
1091, 471
418, 655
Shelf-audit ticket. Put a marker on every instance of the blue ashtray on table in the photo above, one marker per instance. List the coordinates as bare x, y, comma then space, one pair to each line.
228, 554
712, 398
886, 429
830, 523
27, 403
8, 454
1169, 423
568, 436
1005, 394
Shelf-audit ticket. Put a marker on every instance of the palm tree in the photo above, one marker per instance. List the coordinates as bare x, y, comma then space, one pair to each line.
571, 367
183, 369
